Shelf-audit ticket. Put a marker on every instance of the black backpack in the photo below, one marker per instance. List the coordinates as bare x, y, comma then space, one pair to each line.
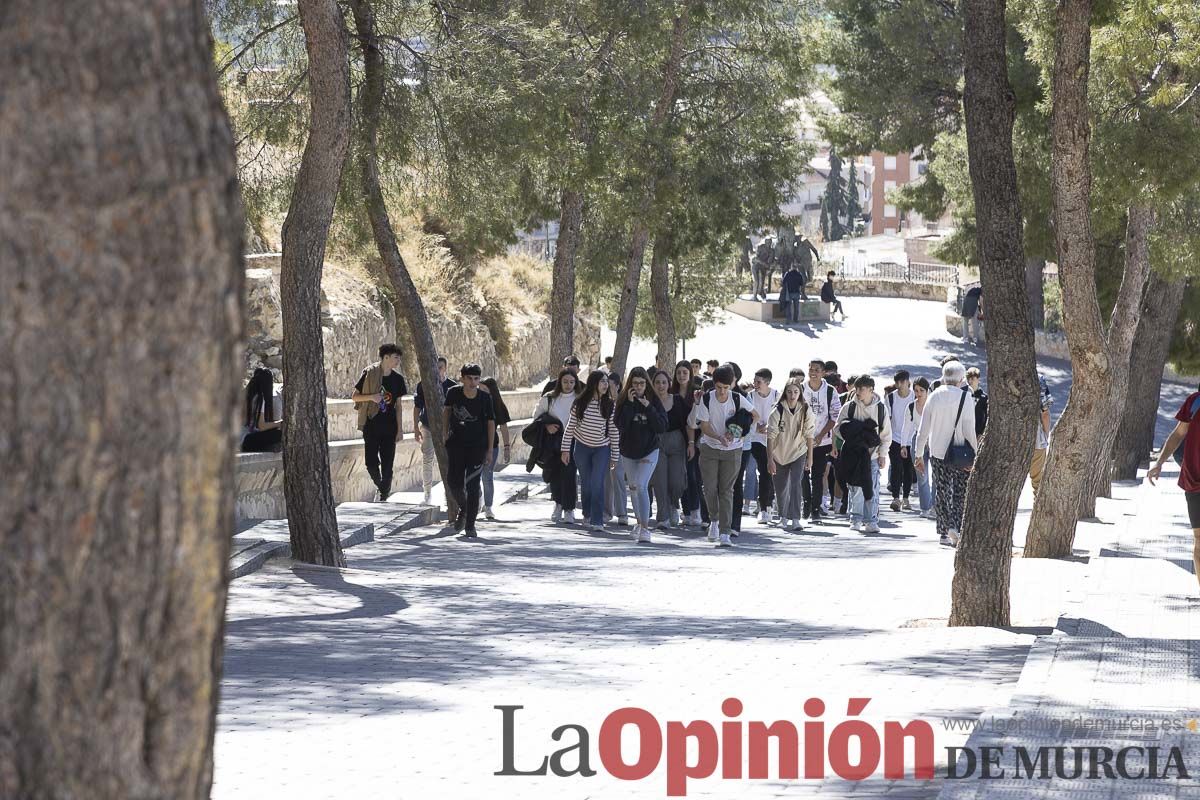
850, 414
741, 417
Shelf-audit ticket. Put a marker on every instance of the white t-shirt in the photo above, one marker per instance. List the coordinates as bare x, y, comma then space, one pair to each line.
898, 410
717, 416
764, 406
825, 405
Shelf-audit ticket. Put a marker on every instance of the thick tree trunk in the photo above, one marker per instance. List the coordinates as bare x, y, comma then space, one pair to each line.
660, 292
562, 291
120, 326
1122, 330
635, 255
1076, 439
983, 563
1135, 436
306, 484
415, 317
1035, 288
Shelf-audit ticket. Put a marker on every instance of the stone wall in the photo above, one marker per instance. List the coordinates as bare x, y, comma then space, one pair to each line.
874, 287
343, 417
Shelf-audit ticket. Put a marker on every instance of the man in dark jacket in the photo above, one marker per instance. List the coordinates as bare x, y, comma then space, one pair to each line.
791, 292
971, 308
828, 296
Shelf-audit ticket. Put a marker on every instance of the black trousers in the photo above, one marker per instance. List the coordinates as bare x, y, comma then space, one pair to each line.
835, 481
263, 441
739, 488
463, 479
380, 447
813, 487
766, 487
561, 478
901, 474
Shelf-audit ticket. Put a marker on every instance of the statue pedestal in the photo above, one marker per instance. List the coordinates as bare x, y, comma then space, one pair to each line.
811, 310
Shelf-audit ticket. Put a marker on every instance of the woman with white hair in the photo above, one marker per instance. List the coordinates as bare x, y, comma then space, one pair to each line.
948, 430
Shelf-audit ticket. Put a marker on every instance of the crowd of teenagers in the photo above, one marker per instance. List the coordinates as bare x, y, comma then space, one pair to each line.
689, 448
704, 449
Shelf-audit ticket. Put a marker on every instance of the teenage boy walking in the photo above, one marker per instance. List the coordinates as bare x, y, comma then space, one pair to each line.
825, 405
421, 427
866, 405
901, 474
764, 399
377, 399
718, 411
471, 426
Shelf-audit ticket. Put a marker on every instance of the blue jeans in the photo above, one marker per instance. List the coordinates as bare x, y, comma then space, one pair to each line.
489, 487
637, 475
862, 510
750, 483
593, 466
923, 491
791, 305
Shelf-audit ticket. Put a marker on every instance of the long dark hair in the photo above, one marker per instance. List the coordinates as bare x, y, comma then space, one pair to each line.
558, 390
589, 393
259, 394
498, 406
636, 372
682, 391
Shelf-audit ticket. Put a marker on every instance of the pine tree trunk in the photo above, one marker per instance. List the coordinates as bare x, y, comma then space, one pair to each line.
121, 234
1156, 323
1035, 287
983, 563
1076, 440
562, 291
635, 255
306, 483
660, 292
370, 101
1122, 331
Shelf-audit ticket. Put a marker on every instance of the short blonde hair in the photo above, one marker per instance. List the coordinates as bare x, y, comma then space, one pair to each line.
973, 372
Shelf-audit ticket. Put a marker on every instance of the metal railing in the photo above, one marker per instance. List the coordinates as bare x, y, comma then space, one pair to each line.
913, 272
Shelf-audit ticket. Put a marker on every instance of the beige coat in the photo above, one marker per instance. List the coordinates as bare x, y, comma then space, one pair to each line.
788, 433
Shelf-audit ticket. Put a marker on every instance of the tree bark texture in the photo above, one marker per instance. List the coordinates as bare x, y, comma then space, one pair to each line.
983, 563
415, 317
1135, 435
640, 236
1122, 330
306, 485
1075, 438
562, 290
660, 293
1035, 288
120, 326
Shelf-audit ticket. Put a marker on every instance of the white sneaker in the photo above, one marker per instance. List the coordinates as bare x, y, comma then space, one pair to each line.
764, 516
643, 536
870, 527
623, 521
725, 541
856, 526
697, 520
569, 516
929, 513
634, 533
487, 512
797, 525
954, 537
596, 528
556, 516
713, 529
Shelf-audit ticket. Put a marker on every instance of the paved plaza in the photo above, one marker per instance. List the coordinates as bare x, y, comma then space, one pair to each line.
381, 680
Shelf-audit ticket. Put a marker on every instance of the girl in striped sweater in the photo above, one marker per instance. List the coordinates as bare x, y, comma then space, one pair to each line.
596, 444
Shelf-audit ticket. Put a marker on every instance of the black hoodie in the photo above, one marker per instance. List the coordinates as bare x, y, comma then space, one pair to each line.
640, 427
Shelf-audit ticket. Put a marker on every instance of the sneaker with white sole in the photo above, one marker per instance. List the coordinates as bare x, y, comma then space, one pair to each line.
870, 527
713, 529
643, 536
764, 517
954, 537
487, 512
856, 525
594, 528
633, 534
929, 513
569, 516
725, 541
556, 515
623, 522
896, 504
797, 525
905, 505
674, 518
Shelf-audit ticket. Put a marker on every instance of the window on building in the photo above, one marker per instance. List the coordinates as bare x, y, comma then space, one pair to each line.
889, 162
889, 211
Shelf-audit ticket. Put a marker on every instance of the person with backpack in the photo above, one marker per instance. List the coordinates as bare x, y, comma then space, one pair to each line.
377, 398
594, 442
556, 405
825, 405
901, 474
948, 430
909, 424
764, 399
866, 406
790, 452
1187, 439
981, 399
641, 422
724, 417
492, 387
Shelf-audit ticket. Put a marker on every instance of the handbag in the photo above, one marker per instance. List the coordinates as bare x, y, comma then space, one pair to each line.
960, 456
